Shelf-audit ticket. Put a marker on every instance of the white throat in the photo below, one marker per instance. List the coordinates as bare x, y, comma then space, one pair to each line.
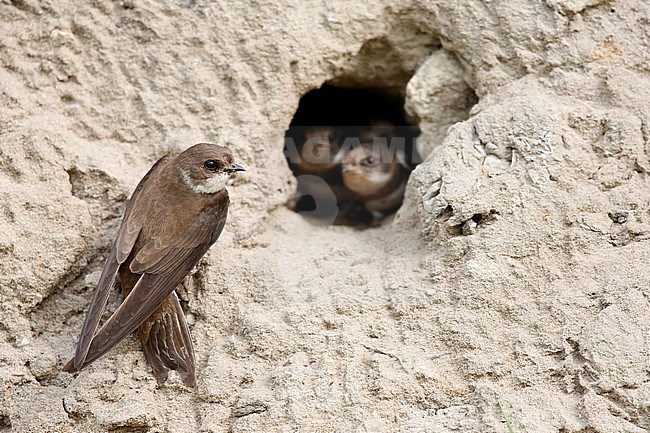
211, 185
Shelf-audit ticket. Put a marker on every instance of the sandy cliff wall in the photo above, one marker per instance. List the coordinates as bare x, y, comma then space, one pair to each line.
516, 272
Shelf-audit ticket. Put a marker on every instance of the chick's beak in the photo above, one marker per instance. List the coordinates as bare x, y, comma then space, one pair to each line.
236, 167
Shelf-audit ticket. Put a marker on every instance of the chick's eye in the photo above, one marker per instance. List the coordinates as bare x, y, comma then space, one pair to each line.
210, 164
369, 160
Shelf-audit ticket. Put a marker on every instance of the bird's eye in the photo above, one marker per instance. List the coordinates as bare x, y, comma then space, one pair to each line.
369, 160
210, 164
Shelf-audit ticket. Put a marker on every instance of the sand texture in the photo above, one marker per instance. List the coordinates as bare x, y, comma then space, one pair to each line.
516, 273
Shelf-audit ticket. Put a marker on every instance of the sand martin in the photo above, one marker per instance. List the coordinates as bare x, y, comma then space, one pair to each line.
175, 214
320, 151
316, 162
375, 175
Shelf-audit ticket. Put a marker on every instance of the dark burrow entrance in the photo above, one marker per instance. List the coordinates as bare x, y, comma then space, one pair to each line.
351, 151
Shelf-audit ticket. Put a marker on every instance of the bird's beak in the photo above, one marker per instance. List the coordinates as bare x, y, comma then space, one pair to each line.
236, 167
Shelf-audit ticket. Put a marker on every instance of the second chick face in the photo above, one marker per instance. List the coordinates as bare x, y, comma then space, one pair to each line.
320, 152
365, 173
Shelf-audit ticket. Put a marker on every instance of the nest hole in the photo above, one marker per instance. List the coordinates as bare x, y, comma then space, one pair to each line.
351, 151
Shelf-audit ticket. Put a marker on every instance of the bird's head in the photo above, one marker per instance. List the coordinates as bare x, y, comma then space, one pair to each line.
365, 171
206, 167
320, 151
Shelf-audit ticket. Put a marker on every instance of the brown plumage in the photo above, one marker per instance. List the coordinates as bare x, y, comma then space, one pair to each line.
375, 176
320, 151
175, 214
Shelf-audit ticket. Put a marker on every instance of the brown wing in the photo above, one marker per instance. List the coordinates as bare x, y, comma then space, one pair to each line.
132, 223
127, 235
167, 343
158, 281
97, 304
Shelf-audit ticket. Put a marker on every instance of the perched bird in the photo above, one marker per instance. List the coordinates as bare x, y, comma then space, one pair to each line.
173, 217
375, 176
